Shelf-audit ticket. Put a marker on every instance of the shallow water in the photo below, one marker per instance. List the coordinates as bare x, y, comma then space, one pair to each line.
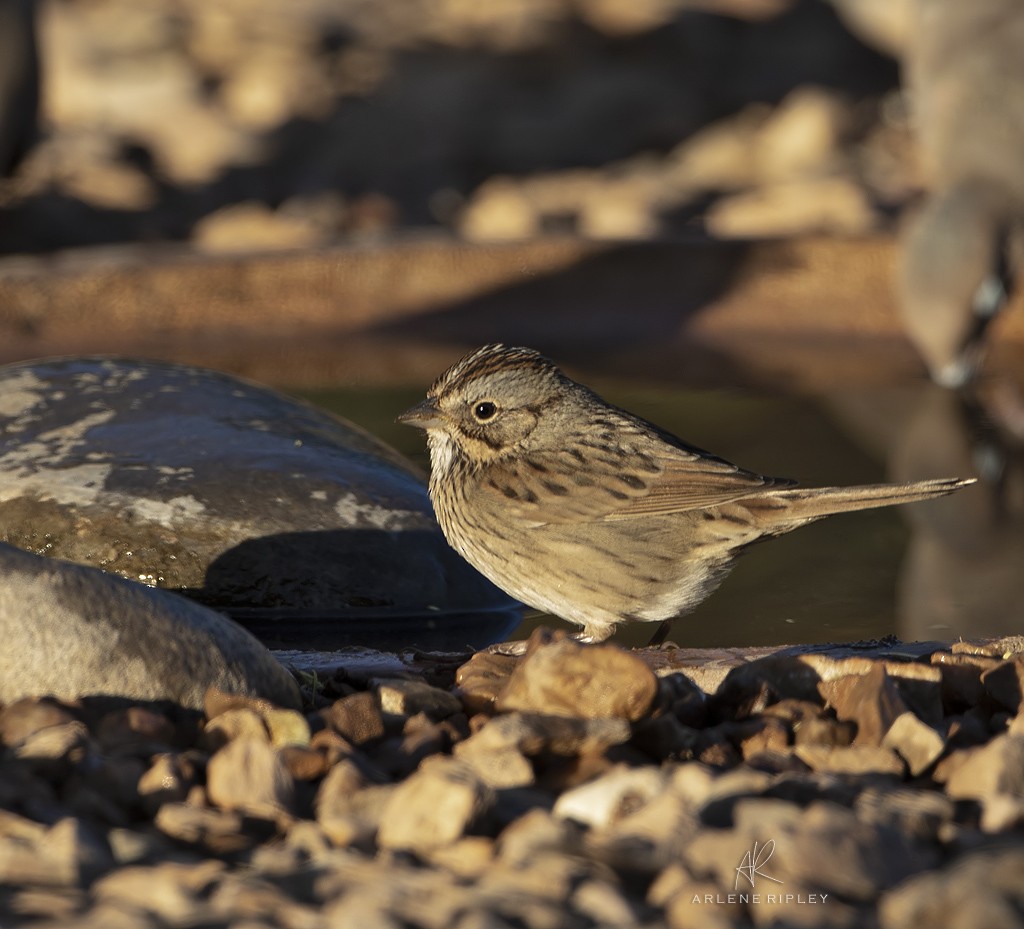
933, 570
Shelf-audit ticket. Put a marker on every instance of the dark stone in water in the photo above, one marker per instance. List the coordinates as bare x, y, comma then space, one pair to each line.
188, 479
70, 632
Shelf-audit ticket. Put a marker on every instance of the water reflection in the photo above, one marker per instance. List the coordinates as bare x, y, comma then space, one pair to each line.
932, 570
963, 573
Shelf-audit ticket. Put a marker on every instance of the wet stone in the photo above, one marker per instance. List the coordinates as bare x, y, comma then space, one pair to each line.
327, 516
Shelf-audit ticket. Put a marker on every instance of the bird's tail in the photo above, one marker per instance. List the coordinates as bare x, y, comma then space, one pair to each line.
787, 509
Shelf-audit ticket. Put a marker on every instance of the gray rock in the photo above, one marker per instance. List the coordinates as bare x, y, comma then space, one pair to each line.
71, 631
193, 480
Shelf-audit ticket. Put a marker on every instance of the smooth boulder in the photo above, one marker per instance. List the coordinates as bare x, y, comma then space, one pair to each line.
72, 632
193, 480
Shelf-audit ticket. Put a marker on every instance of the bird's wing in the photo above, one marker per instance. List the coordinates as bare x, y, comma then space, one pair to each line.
630, 479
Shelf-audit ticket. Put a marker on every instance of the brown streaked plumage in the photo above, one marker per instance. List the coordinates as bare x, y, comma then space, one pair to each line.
583, 510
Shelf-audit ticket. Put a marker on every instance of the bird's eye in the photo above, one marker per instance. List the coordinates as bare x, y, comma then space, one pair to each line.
484, 411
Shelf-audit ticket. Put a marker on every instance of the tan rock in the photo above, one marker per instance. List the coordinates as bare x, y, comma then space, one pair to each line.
286, 727
602, 801
482, 678
54, 749
499, 768
433, 807
833, 205
853, 759
996, 768
499, 211
917, 743
220, 831
357, 718
406, 697
871, 700
169, 890
25, 717
619, 212
564, 678
168, 780
252, 226
802, 135
66, 853
233, 724
349, 806
532, 734
249, 775
536, 832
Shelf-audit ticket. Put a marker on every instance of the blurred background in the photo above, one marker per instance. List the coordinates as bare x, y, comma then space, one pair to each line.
697, 205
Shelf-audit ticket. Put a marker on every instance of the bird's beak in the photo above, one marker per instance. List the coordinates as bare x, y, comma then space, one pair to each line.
425, 415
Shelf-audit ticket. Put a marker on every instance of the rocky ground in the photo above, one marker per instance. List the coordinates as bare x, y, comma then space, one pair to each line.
576, 786
242, 125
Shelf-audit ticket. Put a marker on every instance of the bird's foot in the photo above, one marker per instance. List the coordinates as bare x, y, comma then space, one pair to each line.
509, 649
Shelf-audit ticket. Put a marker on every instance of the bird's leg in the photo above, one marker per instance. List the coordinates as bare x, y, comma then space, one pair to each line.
661, 633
